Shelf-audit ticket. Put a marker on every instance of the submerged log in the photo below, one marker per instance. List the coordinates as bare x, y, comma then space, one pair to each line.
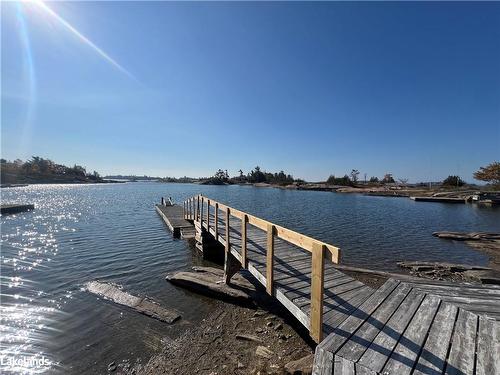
143, 305
209, 281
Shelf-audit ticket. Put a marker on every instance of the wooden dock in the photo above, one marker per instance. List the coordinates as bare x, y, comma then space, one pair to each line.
409, 326
173, 216
438, 199
7, 209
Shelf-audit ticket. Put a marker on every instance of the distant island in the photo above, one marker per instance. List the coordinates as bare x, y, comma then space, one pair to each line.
38, 170
134, 178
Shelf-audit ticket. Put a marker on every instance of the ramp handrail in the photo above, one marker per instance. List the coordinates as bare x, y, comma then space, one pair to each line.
193, 210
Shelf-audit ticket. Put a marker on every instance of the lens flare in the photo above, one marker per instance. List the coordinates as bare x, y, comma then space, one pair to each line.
40, 4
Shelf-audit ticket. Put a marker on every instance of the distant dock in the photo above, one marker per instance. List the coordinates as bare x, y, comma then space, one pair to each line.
173, 216
7, 209
438, 199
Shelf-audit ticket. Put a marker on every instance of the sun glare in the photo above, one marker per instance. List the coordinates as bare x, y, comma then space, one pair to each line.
50, 12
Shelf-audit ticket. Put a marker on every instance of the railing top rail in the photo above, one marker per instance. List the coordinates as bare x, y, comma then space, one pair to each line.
298, 239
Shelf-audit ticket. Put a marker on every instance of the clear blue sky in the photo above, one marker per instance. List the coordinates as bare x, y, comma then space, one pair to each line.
310, 88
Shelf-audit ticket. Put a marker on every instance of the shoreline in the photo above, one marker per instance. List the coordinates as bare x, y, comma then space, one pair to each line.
229, 340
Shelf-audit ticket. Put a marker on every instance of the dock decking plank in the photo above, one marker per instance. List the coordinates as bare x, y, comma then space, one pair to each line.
488, 347
461, 357
382, 346
433, 356
409, 346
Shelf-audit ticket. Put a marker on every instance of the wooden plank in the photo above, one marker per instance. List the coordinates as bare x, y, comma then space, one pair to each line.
488, 347
338, 314
270, 260
343, 332
433, 356
301, 297
244, 261
197, 216
201, 210
216, 221
208, 215
341, 366
381, 347
409, 346
305, 280
317, 276
356, 346
463, 344
227, 244
323, 362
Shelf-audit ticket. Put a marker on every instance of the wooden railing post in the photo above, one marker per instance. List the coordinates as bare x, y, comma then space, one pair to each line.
208, 215
197, 213
270, 260
201, 212
216, 221
184, 209
244, 261
317, 289
227, 230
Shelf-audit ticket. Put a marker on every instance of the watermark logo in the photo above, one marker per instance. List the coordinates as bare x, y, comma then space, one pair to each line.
10, 362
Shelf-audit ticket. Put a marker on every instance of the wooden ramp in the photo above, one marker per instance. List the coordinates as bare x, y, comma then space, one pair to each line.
402, 329
405, 327
294, 268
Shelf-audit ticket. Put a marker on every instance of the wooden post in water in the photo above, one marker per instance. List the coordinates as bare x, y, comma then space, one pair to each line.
317, 289
244, 261
216, 221
270, 260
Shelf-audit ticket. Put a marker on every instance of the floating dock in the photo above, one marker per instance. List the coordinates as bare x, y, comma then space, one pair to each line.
408, 325
7, 209
173, 216
438, 199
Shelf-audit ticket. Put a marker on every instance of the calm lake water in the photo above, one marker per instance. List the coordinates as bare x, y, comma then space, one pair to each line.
111, 232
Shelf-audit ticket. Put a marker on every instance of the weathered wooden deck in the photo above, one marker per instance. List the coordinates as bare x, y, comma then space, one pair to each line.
173, 216
402, 329
405, 327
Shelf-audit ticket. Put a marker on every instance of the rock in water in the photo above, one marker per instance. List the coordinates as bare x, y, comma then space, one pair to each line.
143, 305
207, 280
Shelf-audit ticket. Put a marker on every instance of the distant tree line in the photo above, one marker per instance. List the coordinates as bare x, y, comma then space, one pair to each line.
256, 175
38, 169
353, 178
